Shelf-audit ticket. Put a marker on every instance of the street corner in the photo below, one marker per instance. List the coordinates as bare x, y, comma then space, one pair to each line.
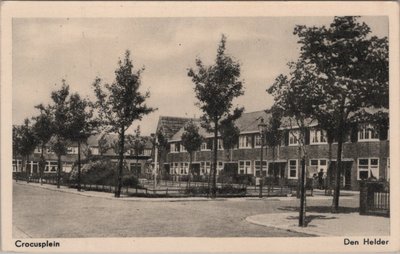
325, 224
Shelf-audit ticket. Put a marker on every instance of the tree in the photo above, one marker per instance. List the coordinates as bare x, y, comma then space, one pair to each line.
230, 132
215, 87
42, 129
24, 143
80, 125
272, 133
103, 144
352, 70
59, 111
121, 103
191, 140
137, 143
162, 147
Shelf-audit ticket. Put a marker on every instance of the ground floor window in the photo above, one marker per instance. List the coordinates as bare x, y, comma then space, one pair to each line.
258, 168
316, 166
220, 166
17, 165
184, 168
245, 167
51, 167
205, 167
368, 167
292, 169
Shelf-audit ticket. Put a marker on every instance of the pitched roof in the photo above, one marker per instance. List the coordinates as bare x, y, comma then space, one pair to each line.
93, 140
247, 123
171, 125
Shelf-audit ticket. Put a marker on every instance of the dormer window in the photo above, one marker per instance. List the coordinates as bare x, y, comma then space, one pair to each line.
367, 133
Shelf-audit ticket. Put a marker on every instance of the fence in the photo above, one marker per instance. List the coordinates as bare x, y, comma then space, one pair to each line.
374, 198
166, 188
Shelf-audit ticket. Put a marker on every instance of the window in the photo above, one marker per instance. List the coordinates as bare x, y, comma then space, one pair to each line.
174, 147
317, 137
367, 133
245, 167
245, 141
38, 150
183, 149
175, 168
205, 167
368, 168
51, 167
67, 167
72, 150
316, 166
185, 168
16, 164
220, 166
204, 147
258, 168
220, 144
292, 169
257, 141
294, 138
147, 152
50, 151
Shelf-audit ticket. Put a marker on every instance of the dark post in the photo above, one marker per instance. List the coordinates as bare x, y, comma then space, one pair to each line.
302, 214
79, 165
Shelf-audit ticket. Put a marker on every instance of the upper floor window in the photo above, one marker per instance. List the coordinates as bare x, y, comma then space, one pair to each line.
174, 147
183, 149
38, 150
294, 138
94, 150
72, 150
49, 151
147, 152
245, 141
317, 136
367, 133
204, 146
257, 141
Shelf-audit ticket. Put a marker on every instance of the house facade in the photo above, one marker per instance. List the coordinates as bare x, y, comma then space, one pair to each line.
140, 162
365, 153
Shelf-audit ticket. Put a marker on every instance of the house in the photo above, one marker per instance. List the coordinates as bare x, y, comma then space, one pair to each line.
138, 162
365, 152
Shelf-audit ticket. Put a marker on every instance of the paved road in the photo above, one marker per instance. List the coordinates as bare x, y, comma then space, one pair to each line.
43, 213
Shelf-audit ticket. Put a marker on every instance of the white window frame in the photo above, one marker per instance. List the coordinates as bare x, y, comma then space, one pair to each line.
38, 150
317, 137
294, 137
290, 168
368, 167
182, 149
173, 148
244, 142
246, 164
257, 141
204, 147
220, 144
17, 164
367, 130
257, 166
49, 165
49, 151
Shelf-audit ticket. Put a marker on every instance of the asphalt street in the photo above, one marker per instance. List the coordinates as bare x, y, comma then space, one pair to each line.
43, 213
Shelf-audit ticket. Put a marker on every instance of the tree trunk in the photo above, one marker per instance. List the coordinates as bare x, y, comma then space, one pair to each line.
335, 203
58, 170
120, 163
215, 158
190, 168
26, 169
79, 165
302, 213
42, 165
329, 170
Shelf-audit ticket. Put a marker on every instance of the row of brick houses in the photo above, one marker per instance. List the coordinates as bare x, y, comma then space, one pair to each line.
365, 153
141, 162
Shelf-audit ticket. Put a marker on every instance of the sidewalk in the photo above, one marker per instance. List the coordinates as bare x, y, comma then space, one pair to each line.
319, 195
326, 224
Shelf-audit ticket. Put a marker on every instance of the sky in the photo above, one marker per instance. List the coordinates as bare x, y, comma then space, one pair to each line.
47, 50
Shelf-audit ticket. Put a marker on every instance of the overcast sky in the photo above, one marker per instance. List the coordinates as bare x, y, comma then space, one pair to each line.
48, 50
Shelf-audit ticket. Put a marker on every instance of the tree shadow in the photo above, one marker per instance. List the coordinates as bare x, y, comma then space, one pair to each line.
310, 218
320, 209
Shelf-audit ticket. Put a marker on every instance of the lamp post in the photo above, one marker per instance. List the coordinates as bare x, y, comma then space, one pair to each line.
261, 129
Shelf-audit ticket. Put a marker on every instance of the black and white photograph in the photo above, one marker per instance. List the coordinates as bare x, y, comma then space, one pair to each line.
202, 127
